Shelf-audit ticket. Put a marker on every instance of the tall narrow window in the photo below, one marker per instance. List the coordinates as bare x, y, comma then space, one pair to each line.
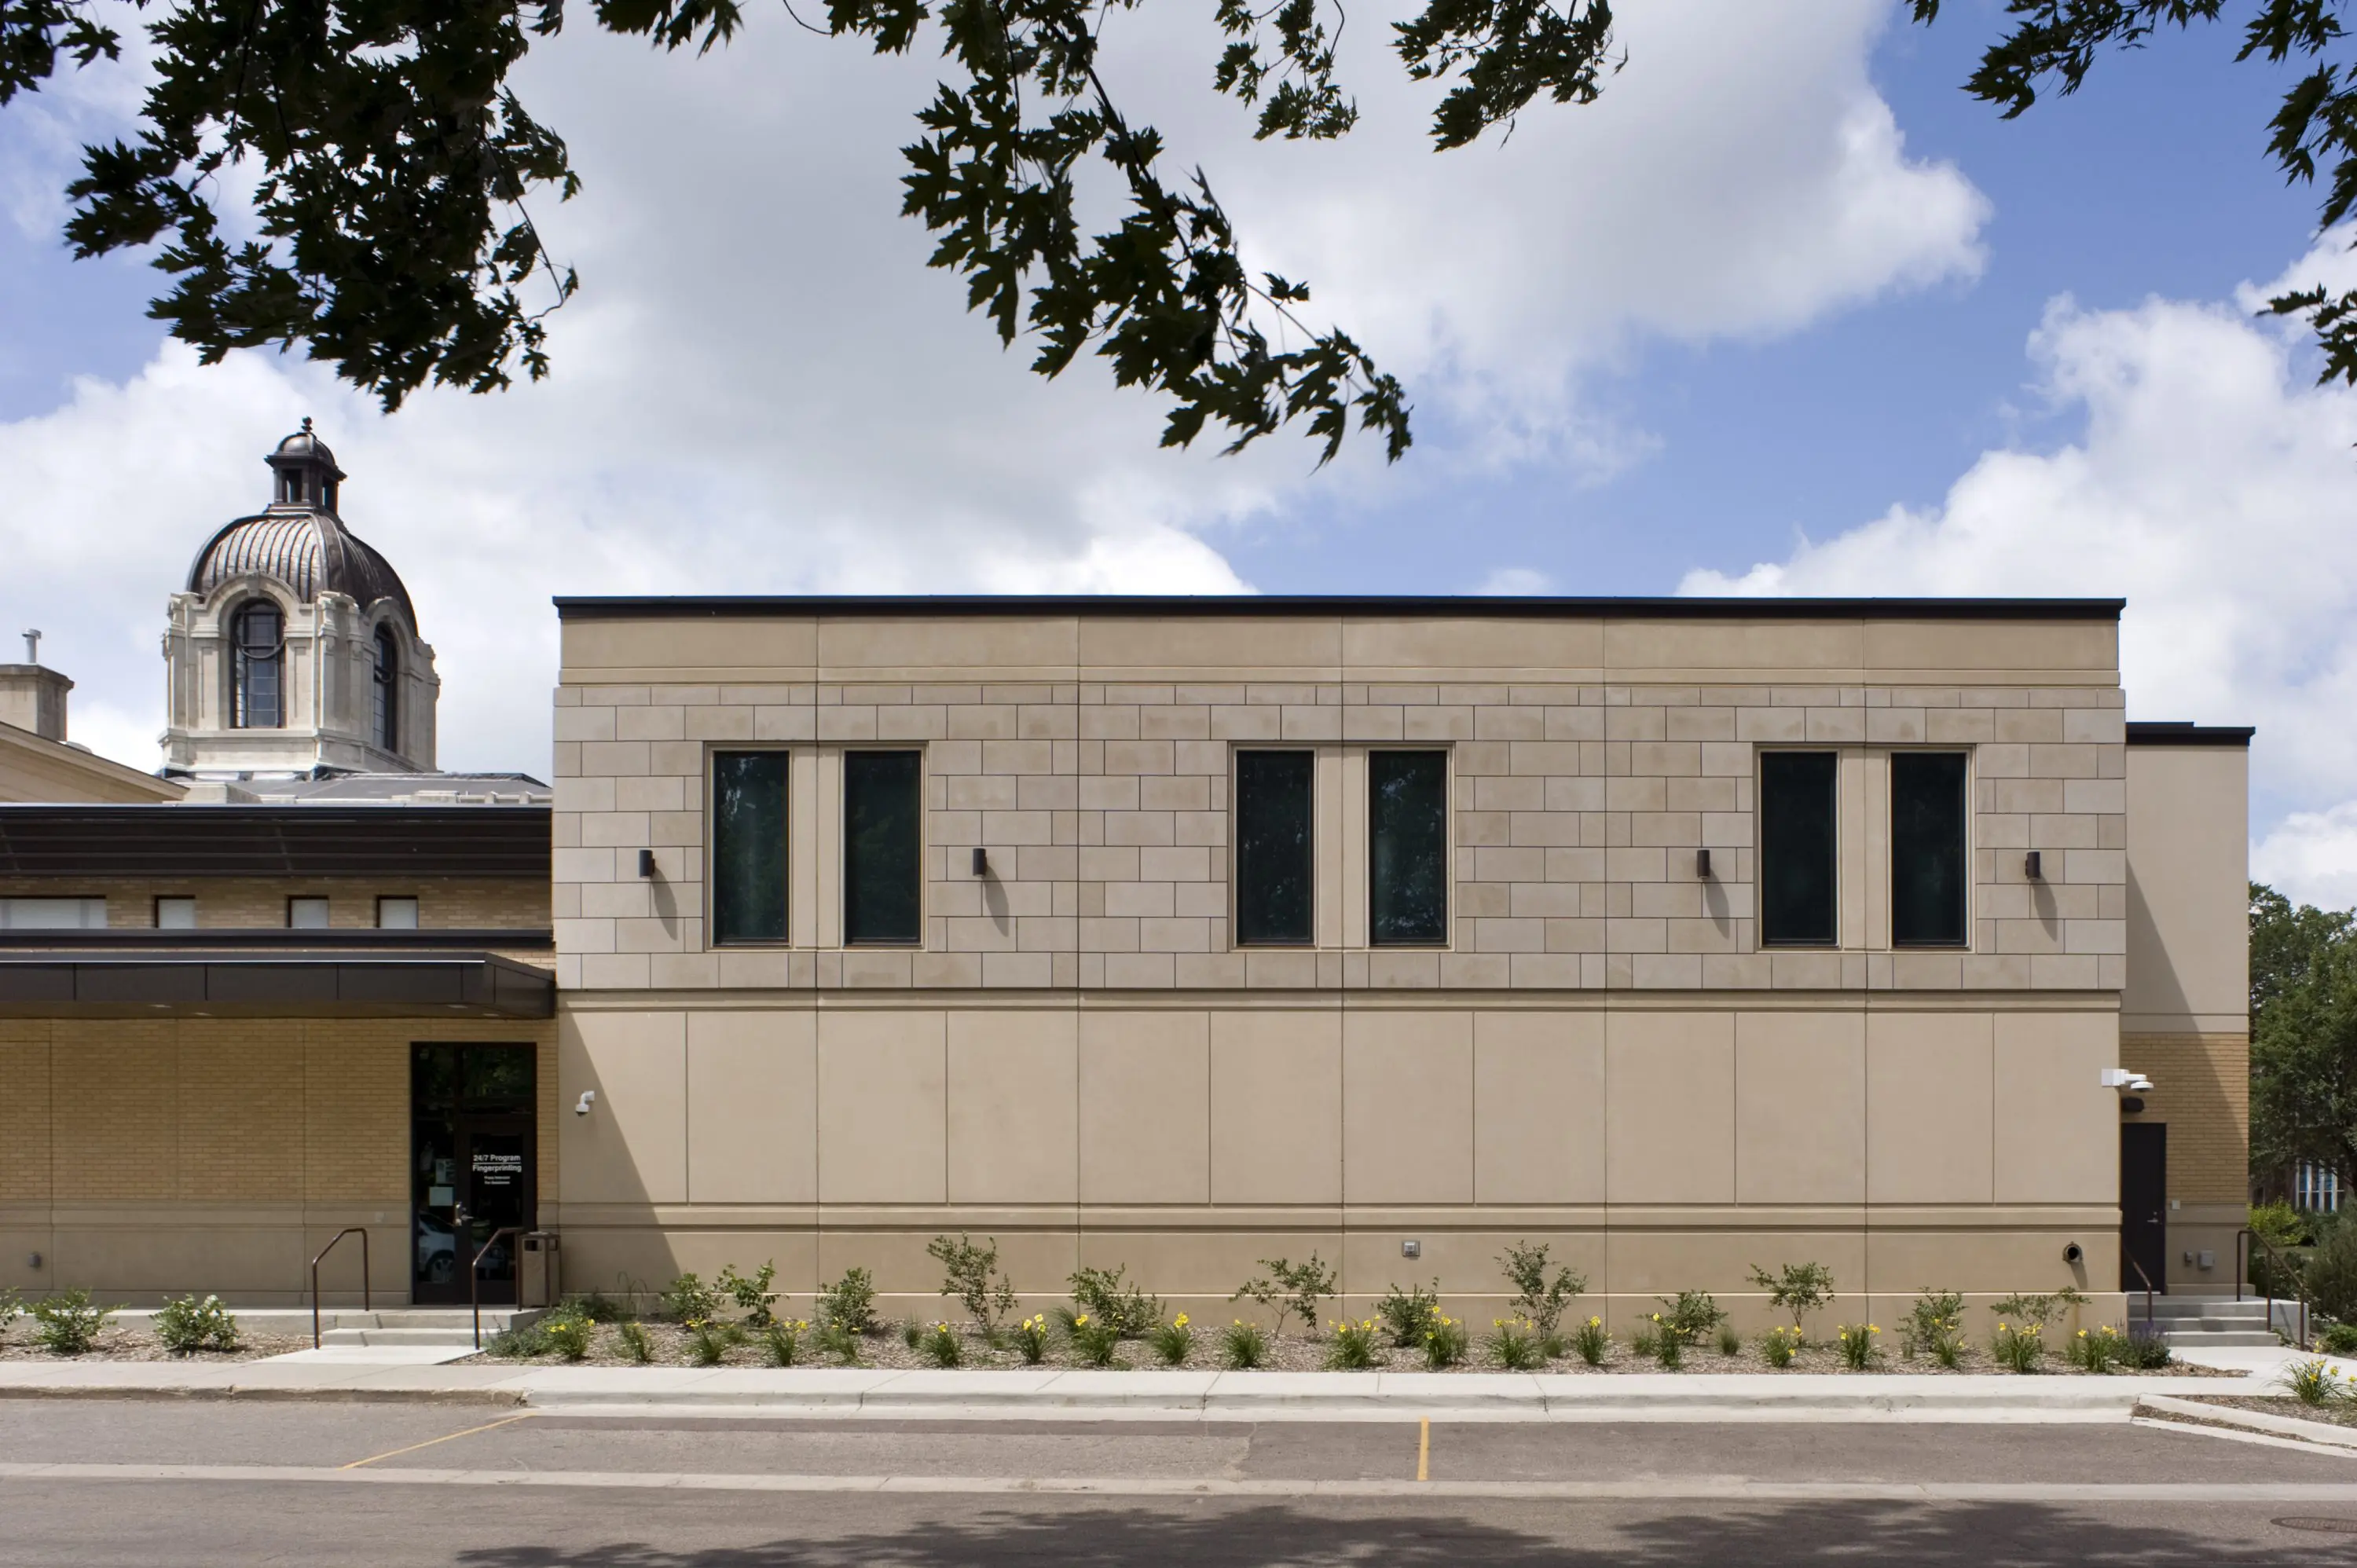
1273, 846
749, 846
883, 840
1926, 848
1407, 848
1798, 848
386, 692
258, 657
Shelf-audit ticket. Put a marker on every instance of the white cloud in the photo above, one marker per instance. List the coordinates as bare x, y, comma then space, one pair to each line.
2215, 488
1513, 581
763, 388
2313, 856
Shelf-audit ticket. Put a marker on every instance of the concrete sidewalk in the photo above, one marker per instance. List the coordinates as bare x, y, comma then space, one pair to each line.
1049, 1393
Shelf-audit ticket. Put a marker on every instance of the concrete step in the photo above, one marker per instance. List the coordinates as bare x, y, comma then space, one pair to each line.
2165, 1308
2254, 1339
429, 1327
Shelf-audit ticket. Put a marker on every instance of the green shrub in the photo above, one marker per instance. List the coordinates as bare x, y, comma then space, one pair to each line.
2145, 1352
1514, 1344
781, 1342
11, 1306
1352, 1347
1668, 1345
2339, 1339
2042, 1310
942, 1343
1591, 1341
1174, 1341
2330, 1280
849, 1304
1860, 1346
568, 1336
2096, 1351
1032, 1340
2019, 1350
708, 1344
1936, 1315
1111, 1303
518, 1342
1797, 1288
2281, 1226
1408, 1314
912, 1333
1290, 1289
1730, 1343
966, 1273
688, 1300
593, 1306
1444, 1342
1690, 1317
1242, 1346
840, 1342
67, 1324
1776, 1345
637, 1343
1095, 1340
1646, 1341
185, 1324
2314, 1382
1540, 1298
749, 1292
1947, 1346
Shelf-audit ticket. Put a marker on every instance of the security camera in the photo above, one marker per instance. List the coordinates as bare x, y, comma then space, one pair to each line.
581, 1106
2140, 1083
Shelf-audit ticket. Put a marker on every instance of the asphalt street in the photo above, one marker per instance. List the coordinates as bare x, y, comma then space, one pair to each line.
169, 1482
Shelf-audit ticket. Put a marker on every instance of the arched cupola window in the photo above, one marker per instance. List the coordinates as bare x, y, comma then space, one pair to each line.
385, 717
257, 678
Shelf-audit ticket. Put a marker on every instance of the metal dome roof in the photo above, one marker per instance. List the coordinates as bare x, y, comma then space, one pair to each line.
305, 446
310, 552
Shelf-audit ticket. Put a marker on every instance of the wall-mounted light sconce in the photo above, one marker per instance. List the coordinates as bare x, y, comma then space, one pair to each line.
581, 1106
1411, 1249
32, 1260
1702, 864
981, 861
2030, 868
646, 863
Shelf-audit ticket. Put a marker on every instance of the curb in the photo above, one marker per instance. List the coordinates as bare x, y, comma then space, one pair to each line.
2324, 1434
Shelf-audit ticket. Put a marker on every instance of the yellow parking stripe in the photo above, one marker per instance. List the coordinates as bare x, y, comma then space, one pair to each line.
396, 1452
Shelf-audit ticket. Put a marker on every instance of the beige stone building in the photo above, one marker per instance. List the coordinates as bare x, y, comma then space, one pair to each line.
1686, 936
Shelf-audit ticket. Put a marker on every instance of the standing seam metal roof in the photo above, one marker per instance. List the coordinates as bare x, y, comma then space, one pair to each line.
310, 552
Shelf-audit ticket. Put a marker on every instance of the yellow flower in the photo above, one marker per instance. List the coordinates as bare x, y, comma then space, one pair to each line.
1596, 1323
1179, 1320
1080, 1320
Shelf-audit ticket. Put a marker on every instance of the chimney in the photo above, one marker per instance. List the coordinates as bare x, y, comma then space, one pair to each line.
31, 697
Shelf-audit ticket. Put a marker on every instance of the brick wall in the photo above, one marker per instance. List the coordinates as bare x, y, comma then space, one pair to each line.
2202, 1089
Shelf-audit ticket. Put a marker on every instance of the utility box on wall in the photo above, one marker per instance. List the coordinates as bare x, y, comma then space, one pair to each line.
536, 1282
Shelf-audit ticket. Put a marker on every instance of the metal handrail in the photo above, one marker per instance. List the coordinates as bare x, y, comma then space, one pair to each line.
2149, 1326
367, 1303
475, 1278
2292, 1276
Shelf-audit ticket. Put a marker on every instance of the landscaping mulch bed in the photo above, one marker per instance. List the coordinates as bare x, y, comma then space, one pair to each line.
2337, 1412
1292, 1353
130, 1343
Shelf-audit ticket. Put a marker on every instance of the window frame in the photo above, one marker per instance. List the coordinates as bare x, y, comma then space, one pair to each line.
242, 660
842, 848
1237, 849
155, 910
327, 910
1963, 942
711, 754
384, 688
1448, 754
1841, 826
416, 911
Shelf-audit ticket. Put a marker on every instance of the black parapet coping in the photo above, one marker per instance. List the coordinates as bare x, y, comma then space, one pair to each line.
2179, 732
168, 840
1476, 607
481, 985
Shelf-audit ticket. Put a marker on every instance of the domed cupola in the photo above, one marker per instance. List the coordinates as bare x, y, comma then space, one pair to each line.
294, 648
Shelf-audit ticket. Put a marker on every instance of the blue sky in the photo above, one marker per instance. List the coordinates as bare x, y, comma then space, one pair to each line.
1786, 311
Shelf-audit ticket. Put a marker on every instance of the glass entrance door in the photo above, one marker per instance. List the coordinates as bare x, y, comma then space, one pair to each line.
472, 1167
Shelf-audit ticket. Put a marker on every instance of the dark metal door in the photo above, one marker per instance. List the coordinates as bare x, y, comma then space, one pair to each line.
2144, 1204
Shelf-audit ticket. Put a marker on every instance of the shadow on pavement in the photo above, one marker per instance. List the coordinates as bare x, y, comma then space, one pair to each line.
1206, 1535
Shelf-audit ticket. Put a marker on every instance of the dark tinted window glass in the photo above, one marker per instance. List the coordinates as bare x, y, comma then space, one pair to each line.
1796, 846
255, 637
497, 1075
882, 835
1272, 846
749, 846
1926, 848
1407, 857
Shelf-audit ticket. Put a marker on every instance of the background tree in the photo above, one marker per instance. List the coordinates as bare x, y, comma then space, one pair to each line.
2303, 1037
388, 168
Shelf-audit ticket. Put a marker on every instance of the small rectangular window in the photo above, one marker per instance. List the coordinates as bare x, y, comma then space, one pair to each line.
306, 914
175, 914
1798, 848
396, 914
749, 846
1275, 875
1927, 849
883, 846
1407, 851
52, 914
